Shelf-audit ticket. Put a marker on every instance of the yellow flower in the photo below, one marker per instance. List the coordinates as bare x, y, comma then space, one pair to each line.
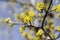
26, 19
53, 8
27, 16
47, 26
57, 8
30, 18
40, 32
31, 13
58, 15
52, 35
11, 24
40, 6
22, 15
7, 20
58, 29
24, 34
49, 20
30, 37
39, 15
52, 26
21, 29
37, 38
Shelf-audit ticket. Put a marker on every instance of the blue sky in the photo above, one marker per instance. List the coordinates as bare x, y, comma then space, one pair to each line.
13, 32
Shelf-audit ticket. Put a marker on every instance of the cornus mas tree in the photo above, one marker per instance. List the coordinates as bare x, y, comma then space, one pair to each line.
45, 14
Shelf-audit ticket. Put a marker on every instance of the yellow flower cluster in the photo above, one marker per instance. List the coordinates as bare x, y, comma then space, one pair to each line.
40, 32
40, 6
58, 29
21, 29
27, 16
50, 27
7, 20
56, 8
25, 35
30, 36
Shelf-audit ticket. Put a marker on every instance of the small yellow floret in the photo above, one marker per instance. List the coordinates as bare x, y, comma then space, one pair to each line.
52, 35
31, 13
7, 20
58, 15
24, 34
57, 8
40, 32
37, 38
58, 29
11, 24
21, 29
40, 6
30, 37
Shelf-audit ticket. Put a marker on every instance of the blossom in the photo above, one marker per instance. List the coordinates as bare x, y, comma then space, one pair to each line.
40, 32
56, 8
7, 20
58, 15
52, 35
27, 16
50, 20
30, 37
26, 19
37, 38
24, 34
47, 26
40, 6
21, 29
31, 13
11, 24
58, 29
51, 27
40, 15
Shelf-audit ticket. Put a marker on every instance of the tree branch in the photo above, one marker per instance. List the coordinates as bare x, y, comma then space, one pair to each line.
45, 18
46, 14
